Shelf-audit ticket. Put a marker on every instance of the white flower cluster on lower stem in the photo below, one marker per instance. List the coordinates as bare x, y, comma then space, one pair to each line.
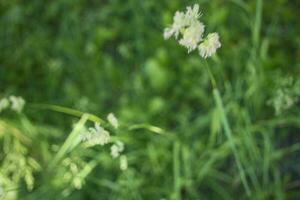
210, 45
116, 150
188, 25
97, 135
12, 102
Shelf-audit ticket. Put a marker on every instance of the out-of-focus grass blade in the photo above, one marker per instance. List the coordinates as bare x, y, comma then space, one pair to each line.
230, 138
257, 23
279, 122
241, 4
176, 170
215, 127
69, 142
149, 127
87, 169
69, 111
6, 127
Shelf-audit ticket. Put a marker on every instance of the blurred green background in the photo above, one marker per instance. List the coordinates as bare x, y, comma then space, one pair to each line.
110, 56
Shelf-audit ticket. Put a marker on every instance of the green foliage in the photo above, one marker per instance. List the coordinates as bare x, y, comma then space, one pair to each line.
109, 56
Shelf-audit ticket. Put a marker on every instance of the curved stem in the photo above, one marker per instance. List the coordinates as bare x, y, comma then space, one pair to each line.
69, 111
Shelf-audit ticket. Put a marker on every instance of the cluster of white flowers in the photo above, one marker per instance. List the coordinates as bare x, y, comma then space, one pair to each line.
74, 166
96, 135
286, 94
14, 103
188, 25
209, 46
116, 149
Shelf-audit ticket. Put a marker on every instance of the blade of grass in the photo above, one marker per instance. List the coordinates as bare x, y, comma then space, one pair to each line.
69, 111
241, 4
68, 142
95, 118
227, 129
151, 128
228, 133
176, 170
257, 23
7, 127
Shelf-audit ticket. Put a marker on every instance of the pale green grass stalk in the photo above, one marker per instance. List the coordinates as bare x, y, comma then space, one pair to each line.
176, 170
69, 142
230, 138
227, 130
69, 111
87, 169
257, 23
96, 119
149, 127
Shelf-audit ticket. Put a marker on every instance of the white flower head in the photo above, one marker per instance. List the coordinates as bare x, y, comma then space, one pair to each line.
96, 135
123, 162
17, 103
101, 136
210, 45
192, 36
116, 149
4, 104
179, 22
188, 25
192, 14
113, 120
168, 32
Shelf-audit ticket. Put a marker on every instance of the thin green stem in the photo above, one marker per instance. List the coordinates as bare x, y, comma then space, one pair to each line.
230, 138
68, 142
227, 129
69, 111
149, 127
211, 76
176, 170
257, 23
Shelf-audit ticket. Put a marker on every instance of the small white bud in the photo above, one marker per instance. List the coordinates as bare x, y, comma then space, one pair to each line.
123, 162
116, 149
113, 120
